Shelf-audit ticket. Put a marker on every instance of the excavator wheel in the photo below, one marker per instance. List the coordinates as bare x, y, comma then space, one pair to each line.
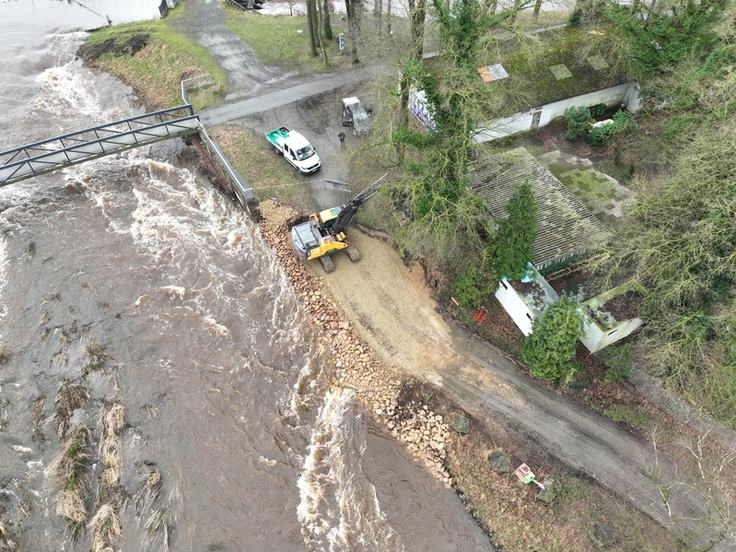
327, 263
353, 253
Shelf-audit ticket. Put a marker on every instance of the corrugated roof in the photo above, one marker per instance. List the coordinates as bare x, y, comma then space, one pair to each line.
565, 228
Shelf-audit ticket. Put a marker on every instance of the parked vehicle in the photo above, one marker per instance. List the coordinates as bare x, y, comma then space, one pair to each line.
325, 233
295, 148
356, 116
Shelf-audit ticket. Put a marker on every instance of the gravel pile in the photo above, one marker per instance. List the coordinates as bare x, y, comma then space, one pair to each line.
377, 386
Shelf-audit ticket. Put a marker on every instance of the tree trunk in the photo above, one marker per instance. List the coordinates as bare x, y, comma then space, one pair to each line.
377, 13
537, 7
388, 17
417, 15
326, 25
310, 24
319, 36
352, 8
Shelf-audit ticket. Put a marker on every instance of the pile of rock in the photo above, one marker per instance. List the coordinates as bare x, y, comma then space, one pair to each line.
376, 385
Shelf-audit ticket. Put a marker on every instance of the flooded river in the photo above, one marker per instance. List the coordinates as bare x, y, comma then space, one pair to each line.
134, 283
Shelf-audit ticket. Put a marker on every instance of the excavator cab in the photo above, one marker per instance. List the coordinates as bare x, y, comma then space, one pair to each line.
326, 232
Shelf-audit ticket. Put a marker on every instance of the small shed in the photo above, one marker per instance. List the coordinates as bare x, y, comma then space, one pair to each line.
602, 325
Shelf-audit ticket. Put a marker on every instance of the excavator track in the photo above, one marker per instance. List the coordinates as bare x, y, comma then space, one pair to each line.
327, 263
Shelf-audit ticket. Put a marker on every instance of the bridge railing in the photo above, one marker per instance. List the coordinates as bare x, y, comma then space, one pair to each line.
76, 147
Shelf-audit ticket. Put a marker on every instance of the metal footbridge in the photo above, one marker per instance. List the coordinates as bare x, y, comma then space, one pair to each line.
70, 149
84, 145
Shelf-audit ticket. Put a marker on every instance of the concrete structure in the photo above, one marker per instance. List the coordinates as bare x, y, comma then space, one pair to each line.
524, 121
526, 301
600, 326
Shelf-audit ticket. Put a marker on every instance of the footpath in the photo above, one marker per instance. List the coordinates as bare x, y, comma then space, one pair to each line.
483, 382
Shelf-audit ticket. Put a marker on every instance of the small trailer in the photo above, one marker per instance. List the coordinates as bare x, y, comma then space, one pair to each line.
295, 148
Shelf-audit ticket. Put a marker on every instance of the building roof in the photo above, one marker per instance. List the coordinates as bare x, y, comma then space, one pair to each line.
567, 62
566, 227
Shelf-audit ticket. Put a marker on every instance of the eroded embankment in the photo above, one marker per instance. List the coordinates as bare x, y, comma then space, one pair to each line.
391, 398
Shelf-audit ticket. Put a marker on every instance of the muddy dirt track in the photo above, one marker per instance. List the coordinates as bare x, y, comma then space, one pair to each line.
393, 310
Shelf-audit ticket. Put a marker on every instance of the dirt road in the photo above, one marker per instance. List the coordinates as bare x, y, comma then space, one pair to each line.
393, 310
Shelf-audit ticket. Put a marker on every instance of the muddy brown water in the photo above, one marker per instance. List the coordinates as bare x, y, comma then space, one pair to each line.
209, 350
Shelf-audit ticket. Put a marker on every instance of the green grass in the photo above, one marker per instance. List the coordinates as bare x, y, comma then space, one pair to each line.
156, 71
267, 172
284, 41
635, 417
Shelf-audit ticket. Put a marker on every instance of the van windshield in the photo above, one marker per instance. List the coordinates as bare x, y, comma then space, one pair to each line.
305, 153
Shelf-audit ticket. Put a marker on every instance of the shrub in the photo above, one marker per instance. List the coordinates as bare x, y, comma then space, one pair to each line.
618, 360
466, 288
600, 135
623, 121
578, 119
597, 110
551, 346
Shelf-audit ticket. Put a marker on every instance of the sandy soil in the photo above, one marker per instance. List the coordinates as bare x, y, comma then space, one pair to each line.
391, 306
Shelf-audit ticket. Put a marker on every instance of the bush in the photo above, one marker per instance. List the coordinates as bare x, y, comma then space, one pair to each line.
551, 346
578, 119
623, 121
600, 135
466, 290
618, 360
597, 110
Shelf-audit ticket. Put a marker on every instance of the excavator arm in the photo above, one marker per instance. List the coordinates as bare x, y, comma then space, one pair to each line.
349, 210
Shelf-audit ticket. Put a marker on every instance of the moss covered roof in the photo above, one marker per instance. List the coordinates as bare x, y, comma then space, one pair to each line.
561, 63
565, 226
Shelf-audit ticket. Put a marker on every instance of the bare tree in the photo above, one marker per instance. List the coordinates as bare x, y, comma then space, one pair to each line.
311, 23
388, 17
353, 9
326, 25
417, 17
537, 7
319, 26
377, 13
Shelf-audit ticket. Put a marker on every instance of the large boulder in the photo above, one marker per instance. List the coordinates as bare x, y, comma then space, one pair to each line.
550, 489
604, 534
500, 461
460, 423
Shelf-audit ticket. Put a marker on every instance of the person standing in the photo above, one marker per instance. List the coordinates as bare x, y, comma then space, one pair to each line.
341, 136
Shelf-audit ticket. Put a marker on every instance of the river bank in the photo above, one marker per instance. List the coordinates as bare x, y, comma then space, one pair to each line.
399, 393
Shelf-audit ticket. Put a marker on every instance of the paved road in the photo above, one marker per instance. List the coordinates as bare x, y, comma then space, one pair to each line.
582, 440
278, 98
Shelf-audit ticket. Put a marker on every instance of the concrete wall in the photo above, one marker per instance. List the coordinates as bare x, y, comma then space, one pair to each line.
596, 338
522, 122
515, 306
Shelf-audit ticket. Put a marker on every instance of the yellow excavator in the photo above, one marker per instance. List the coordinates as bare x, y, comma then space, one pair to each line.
325, 232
